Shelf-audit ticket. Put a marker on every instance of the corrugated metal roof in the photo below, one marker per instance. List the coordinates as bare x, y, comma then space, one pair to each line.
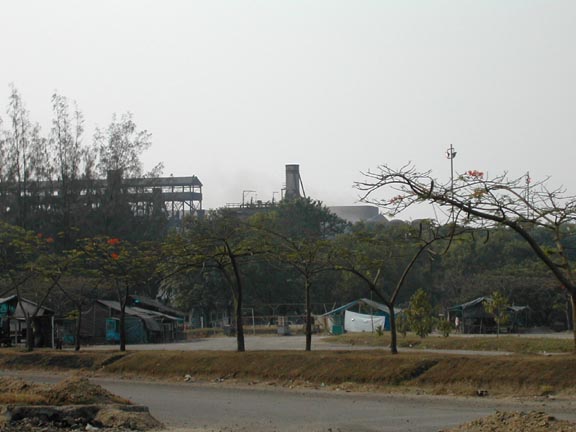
470, 303
148, 319
156, 313
341, 308
28, 306
7, 299
482, 300
157, 304
365, 301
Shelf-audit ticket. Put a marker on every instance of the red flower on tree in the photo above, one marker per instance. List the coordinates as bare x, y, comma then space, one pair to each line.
113, 241
49, 239
475, 174
115, 256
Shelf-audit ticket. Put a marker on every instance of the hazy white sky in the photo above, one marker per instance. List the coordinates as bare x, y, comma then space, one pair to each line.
234, 90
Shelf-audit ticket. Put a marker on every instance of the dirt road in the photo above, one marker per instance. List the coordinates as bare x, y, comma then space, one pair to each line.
270, 342
219, 407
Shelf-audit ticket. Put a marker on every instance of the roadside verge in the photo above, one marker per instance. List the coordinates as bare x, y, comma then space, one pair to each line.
517, 375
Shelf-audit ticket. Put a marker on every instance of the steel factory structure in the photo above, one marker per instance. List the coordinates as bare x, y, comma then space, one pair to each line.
174, 196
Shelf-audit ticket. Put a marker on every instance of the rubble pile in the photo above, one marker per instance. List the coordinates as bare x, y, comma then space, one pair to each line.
516, 422
80, 391
72, 405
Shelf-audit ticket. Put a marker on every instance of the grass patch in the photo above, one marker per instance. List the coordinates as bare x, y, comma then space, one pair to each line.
56, 360
259, 330
515, 344
431, 373
318, 366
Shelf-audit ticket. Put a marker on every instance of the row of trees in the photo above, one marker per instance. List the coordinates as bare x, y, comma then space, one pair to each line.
297, 252
35, 163
506, 234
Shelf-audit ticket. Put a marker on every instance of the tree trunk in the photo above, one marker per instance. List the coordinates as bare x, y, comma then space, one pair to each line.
241, 347
78, 326
573, 302
393, 333
29, 334
308, 317
123, 328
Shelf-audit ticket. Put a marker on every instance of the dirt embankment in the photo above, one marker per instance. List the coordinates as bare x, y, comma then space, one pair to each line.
73, 404
430, 373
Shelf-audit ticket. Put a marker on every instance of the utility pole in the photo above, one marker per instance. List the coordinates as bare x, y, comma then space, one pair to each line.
451, 154
528, 180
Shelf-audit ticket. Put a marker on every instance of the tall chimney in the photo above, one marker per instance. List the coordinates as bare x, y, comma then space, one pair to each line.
292, 182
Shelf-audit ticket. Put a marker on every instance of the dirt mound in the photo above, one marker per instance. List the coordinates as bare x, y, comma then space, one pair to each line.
516, 422
80, 391
77, 417
112, 417
17, 385
71, 405
14, 390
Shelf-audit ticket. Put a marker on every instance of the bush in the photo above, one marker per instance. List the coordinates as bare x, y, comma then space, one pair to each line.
419, 314
444, 326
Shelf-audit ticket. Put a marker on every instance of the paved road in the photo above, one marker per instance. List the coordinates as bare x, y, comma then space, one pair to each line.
219, 407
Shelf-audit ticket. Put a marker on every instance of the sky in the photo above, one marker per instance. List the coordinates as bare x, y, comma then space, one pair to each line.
233, 90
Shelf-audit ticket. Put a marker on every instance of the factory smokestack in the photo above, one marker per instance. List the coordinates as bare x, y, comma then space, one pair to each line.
292, 182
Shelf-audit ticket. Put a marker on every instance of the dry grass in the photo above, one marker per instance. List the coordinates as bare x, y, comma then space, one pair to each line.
463, 375
74, 390
22, 399
365, 370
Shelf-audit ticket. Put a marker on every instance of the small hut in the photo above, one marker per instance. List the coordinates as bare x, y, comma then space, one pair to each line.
13, 312
143, 324
362, 315
472, 317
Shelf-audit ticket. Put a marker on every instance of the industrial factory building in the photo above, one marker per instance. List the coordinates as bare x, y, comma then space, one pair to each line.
295, 189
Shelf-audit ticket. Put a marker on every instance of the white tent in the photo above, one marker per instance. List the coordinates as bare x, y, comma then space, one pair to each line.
357, 323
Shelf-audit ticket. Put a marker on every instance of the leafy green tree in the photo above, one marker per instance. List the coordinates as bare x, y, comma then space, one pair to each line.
419, 314
297, 234
79, 286
29, 265
120, 146
25, 160
68, 155
128, 267
215, 243
445, 327
366, 254
497, 306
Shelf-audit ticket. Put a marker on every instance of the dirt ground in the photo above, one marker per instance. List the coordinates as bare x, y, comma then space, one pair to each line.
499, 422
516, 422
78, 391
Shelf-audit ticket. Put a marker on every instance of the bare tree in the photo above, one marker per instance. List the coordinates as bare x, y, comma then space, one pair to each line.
366, 261
476, 200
